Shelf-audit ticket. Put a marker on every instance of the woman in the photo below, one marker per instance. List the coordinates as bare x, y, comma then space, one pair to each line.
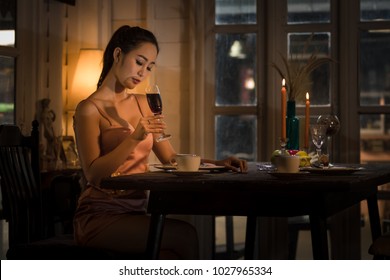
115, 134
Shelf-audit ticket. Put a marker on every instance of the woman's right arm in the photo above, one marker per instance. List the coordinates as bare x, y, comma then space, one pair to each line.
87, 130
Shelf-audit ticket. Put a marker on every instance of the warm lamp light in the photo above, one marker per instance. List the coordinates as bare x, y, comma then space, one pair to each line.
88, 69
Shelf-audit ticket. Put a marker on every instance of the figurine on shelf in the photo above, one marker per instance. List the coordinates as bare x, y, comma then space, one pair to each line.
49, 142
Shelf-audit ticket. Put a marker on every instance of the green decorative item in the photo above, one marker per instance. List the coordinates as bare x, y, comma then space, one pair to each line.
292, 127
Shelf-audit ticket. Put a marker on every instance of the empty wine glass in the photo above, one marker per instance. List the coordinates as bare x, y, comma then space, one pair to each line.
318, 134
155, 104
333, 126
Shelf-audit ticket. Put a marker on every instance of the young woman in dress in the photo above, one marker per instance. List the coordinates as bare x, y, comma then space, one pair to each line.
115, 133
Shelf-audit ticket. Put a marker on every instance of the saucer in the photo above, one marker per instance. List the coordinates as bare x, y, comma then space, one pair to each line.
164, 166
334, 170
207, 167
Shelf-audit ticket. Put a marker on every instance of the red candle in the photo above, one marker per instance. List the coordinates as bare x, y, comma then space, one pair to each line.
307, 121
283, 109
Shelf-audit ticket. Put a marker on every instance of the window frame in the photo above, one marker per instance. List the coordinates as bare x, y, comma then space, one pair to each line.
210, 109
13, 52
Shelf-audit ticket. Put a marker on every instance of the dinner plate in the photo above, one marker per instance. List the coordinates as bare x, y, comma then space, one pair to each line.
288, 175
212, 167
187, 173
207, 167
334, 170
164, 167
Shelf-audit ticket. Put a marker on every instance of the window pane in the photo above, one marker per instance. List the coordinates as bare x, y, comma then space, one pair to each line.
308, 11
235, 69
7, 91
374, 10
375, 138
236, 136
7, 22
300, 48
374, 68
235, 11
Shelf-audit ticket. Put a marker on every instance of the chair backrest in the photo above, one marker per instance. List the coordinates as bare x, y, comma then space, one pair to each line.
20, 184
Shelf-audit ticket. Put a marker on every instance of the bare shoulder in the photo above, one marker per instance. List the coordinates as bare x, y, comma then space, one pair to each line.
86, 108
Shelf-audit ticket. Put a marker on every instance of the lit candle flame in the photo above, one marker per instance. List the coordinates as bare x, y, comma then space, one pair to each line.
307, 96
283, 82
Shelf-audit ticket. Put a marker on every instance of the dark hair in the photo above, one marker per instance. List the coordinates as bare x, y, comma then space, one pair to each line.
127, 39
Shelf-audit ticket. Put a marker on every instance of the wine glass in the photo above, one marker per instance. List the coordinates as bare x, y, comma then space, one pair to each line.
155, 104
333, 126
318, 134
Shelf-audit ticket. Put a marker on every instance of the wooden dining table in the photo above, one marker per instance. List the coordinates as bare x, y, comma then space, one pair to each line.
258, 193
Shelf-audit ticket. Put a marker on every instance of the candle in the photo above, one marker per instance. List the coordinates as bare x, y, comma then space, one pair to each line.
307, 121
284, 109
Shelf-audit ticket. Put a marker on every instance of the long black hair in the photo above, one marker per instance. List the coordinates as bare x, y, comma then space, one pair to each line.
127, 39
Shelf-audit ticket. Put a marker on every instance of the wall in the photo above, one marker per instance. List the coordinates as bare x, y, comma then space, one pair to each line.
171, 28
88, 26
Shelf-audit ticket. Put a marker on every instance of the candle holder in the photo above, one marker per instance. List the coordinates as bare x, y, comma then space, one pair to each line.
283, 143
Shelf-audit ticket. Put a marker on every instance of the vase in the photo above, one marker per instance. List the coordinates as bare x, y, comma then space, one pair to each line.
292, 127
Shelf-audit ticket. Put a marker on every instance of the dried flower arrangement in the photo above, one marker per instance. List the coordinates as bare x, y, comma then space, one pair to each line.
296, 70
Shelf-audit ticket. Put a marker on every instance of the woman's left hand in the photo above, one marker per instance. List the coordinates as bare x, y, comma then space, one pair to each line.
234, 164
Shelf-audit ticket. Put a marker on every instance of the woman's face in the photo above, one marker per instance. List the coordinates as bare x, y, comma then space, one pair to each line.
135, 66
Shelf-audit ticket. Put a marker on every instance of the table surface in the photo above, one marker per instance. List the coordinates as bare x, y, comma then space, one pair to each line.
258, 193
261, 180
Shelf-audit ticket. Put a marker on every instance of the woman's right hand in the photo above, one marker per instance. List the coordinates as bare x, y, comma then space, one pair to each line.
149, 124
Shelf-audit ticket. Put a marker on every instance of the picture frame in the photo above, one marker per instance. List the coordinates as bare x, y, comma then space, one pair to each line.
70, 152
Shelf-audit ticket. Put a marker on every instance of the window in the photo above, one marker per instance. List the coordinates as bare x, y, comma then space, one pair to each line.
319, 44
243, 105
374, 77
7, 60
241, 101
235, 12
308, 11
235, 94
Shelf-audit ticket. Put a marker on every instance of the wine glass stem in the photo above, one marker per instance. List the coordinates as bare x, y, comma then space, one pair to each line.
318, 153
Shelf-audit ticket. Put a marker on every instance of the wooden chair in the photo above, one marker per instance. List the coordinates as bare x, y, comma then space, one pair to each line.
230, 252
380, 248
30, 230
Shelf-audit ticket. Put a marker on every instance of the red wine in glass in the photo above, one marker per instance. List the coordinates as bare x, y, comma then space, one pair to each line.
155, 104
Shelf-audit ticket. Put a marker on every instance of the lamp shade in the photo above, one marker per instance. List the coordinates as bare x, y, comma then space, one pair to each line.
88, 69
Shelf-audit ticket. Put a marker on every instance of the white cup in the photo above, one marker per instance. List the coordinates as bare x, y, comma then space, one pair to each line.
187, 162
287, 164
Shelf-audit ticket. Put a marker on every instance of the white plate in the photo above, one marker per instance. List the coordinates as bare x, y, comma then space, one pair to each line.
334, 170
208, 167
